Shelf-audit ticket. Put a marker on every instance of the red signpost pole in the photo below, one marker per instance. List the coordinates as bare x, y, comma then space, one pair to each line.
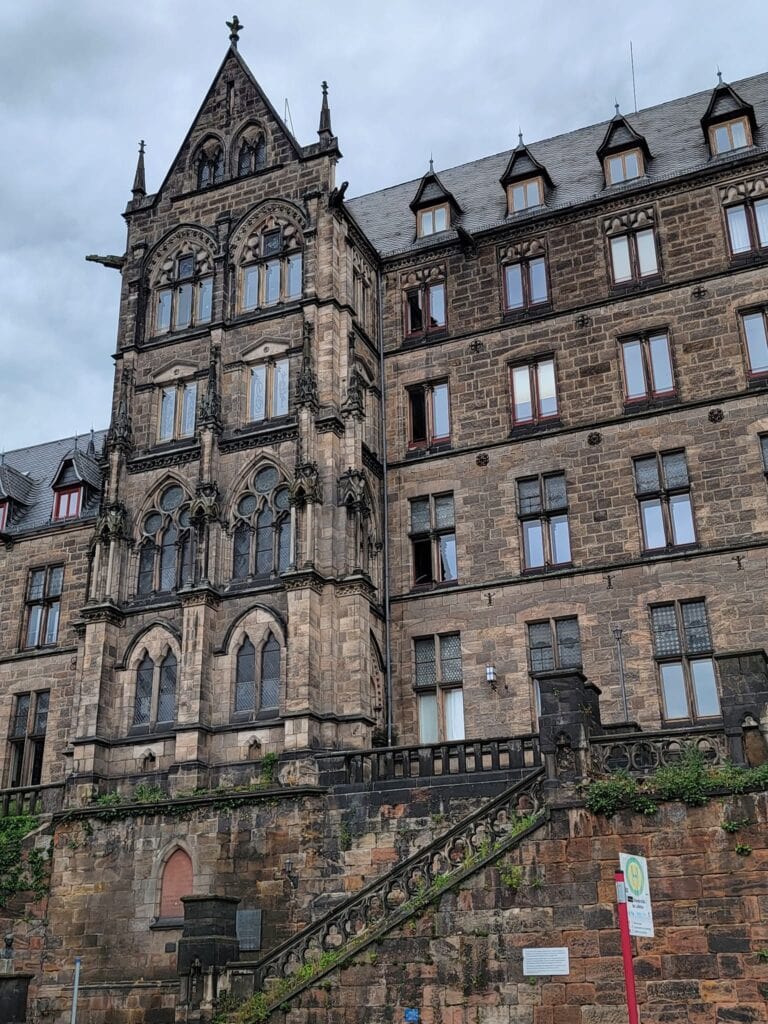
626, 949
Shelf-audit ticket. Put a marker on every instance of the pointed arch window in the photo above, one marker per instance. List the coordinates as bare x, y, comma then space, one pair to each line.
210, 167
176, 882
252, 156
273, 269
261, 547
167, 548
257, 693
155, 698
185, 296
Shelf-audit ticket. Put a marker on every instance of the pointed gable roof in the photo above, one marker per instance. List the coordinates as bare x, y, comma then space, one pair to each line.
14, 486
725, 104
77, 467
621, 135
523, 164
431, 192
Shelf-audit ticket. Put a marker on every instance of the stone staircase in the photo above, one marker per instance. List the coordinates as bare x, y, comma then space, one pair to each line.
496, 827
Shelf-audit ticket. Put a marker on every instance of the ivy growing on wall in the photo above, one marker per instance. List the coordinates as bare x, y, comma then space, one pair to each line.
17, 876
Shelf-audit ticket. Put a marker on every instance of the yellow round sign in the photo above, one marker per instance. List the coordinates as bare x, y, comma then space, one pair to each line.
635, 876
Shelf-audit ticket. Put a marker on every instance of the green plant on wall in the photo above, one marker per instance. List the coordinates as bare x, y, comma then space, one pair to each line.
15, 875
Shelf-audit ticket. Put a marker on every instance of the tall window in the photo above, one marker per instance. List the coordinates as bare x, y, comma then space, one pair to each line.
554, 644
425, 309
67, 501
647, 365
525, 283
187, 299
252, 156
429, 415
275, 276
166, 551
268, 391
757, 342
27, 738
257, 691
623, 166
664, 497
210, 167
177, 411
683, 647
634, 256
730, 135
43, 606
155, 701
747, 226
433, 220
262, 535
177, 882
542, 505
534, 392
522, 195
438, 685
433, 540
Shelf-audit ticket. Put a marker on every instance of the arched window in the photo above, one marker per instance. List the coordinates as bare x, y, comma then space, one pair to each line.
184, 296
176, 882
142, 708
167, 551
155, 701
262, 693
262, 535
272, 269
252, 155
210, 167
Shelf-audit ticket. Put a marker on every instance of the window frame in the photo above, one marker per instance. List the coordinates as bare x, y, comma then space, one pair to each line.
556, 643
754, 376
528, 302
440, 688
272, 367
728, 125
198, 283
4, 514
622, 156
636, 276
432, 211
684, 658
434, 537
27, 747
525, 184
663, 496
545, 517
259, 266
427, 391
537, 416
179, 390
63, 499
154, 723
756, 246
47, 601
651, 394
260, 710
424, 291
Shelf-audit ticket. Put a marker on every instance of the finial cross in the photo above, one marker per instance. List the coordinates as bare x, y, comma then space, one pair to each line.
235, 28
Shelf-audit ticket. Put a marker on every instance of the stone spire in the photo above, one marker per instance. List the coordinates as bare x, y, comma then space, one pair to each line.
324, 131
306, 385
210, 407
139, 184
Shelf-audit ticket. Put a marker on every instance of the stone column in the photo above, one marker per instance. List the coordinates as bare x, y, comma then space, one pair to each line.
570, 714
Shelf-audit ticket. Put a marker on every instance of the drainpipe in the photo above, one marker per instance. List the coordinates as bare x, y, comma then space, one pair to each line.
385, 518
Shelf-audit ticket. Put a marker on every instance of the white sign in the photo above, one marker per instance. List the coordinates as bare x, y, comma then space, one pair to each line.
545, 960
639, 910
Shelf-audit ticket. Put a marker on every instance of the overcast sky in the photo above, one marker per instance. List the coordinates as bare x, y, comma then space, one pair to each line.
82, 81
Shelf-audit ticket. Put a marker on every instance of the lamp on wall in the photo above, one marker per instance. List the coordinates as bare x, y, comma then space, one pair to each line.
490, 675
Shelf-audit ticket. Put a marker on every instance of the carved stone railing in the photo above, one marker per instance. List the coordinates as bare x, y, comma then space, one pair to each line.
477, 838
642, 752
431, 760
31, 799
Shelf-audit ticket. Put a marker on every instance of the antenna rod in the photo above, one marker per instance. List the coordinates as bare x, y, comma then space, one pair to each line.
632, 62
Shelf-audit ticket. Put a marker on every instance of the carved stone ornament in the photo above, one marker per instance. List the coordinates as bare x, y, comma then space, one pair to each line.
186, 241
482, 459
422, 276
353, 491
271, 214
210, 405
716, 415
354, 401
121, 428
522, 250
594, 438
635, 220
755, 188
204, 507
306, 485
306, 382
111, 524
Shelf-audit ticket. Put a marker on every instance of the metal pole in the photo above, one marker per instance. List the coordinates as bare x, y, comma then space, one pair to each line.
76, 988
622, 681
626, 949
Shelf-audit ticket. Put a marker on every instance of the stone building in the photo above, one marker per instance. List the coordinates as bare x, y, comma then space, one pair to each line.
379, 469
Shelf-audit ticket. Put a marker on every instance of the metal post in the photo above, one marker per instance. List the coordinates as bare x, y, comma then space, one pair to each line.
75, 990
617, 632
626, 949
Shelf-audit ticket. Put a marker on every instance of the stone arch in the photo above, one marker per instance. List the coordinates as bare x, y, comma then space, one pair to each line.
185, 239
208, 150
266, 215
241, 482
173, 879
249, 133
153, 638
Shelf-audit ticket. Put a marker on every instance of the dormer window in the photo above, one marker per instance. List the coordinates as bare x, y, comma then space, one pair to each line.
730, 135
623, 166
66, 503
189, 300
433, 220
525, 194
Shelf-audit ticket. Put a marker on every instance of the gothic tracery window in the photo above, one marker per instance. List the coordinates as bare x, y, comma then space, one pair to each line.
257, 691
183, 291
272, 267
166, 552
210, 166
155, 697
262, 536
252, 156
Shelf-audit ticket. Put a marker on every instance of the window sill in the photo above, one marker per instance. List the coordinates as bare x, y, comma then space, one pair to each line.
268, 716
757, 382
535, 427
411, 340
755, 257
640, 285
546, 570
418, 588
632, 405
160, 730
419, 451
524, 313
193, 331
670, 549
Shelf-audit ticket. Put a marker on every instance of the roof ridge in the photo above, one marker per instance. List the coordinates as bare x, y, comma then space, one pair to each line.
57, 440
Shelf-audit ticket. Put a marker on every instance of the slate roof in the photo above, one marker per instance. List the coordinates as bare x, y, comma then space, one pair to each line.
27, 475
672, 130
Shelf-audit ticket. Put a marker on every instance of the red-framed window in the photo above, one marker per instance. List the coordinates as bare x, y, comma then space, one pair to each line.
3, 515
429, 417
66, 502
534, 391
647, 364
425, 309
